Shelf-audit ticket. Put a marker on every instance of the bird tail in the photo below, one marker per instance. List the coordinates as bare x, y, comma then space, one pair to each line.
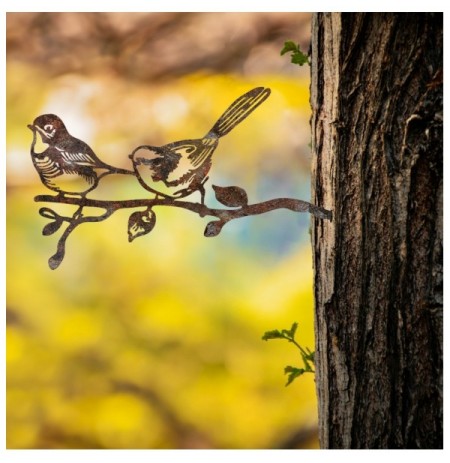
239, 110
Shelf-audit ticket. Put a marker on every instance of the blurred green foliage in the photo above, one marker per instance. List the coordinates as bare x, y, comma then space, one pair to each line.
157, 343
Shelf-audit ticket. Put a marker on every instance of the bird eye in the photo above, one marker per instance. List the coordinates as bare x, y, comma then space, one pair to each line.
48, 127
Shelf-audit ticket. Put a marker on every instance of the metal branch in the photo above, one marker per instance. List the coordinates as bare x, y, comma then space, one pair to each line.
141, 223
171, 172
296, 205
225, 215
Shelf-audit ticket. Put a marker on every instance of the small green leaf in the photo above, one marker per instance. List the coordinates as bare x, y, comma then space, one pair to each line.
293, 330
310, 356
297, 56
306, 354
289, 46
274, 334
292, 373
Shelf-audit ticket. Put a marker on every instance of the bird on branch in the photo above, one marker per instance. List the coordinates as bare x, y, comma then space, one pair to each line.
67, 165
180, 168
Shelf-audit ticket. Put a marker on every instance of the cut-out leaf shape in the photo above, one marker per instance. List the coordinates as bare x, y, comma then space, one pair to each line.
56, 259
231, 196
213, 228
140, 223
48, 213
52, 227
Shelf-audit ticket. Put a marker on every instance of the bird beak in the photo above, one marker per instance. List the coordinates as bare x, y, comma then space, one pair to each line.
31, 127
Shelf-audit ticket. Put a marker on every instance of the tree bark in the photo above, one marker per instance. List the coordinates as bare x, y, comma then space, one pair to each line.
376, 96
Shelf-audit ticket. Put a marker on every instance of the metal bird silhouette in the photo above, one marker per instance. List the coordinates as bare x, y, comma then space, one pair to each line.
66, 158
70, 167
180, 168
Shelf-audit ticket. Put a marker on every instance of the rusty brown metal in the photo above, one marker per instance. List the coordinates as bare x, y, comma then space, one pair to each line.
169, 172
180, 168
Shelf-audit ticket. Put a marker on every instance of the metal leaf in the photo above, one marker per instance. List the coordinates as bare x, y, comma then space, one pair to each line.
140, 223
56, 259
52, 227
231, 196
213, 228
48, 213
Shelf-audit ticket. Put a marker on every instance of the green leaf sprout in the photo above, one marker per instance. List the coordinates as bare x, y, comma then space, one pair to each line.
306, 354
297, 56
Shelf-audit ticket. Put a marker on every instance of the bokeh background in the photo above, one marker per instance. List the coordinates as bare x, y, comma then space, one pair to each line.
157, 343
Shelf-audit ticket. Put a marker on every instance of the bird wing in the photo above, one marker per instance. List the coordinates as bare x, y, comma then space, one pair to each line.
75, 151
204, 150
80, 159
193, 154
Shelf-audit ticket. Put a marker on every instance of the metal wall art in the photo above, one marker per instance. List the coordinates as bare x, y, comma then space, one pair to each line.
69, 167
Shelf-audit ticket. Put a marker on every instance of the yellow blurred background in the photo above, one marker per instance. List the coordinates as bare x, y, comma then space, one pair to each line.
157, 343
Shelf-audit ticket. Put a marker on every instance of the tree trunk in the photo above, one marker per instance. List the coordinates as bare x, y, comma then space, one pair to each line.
376, 96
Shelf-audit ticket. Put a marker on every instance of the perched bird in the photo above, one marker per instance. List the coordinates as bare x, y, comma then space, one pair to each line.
180, 168
66, 158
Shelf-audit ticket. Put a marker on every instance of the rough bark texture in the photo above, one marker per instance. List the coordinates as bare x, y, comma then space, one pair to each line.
376, 95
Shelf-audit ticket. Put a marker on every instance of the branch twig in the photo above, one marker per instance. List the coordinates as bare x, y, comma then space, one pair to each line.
142, 222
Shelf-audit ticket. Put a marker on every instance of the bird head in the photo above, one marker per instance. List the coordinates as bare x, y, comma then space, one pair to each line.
50, 127
148, 159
